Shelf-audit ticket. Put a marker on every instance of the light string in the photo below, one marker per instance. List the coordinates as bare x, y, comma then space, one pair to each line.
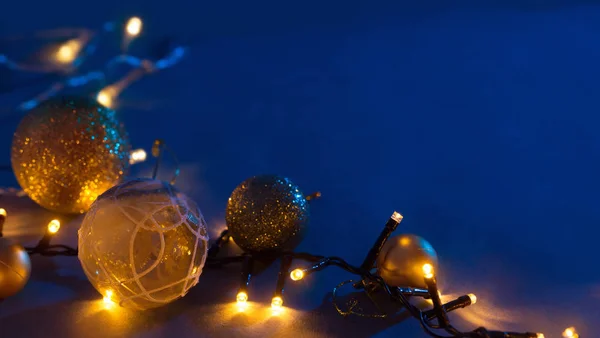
431, 320
66, 59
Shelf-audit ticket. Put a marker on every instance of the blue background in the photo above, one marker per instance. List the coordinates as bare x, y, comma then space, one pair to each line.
478, 122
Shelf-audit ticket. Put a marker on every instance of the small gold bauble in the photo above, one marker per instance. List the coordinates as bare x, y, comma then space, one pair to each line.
401, 260
267, 213
15, 268
66, 152
143, 244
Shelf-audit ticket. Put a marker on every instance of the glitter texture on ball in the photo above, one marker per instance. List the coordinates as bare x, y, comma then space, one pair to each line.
267, 213
143, 244
66, 152
401, 260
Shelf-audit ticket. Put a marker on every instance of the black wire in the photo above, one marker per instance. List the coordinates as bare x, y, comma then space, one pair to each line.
216, 262
67, 251
322, 262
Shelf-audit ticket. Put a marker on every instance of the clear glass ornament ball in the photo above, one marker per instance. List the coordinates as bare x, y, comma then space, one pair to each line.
143, 244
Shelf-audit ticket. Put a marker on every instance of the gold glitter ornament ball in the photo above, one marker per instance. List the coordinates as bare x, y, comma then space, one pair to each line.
143, 244
15, 268
267, 213
401, 260
67, 152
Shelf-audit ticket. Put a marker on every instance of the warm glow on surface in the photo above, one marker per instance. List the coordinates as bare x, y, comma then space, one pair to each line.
540, 335
105, 97
405, 241
53, 226
137, 156
134, 26
428, 271
570, 332
258, 313
473, 298
67, 53
276, 303
2, 212
297, 275
111, 314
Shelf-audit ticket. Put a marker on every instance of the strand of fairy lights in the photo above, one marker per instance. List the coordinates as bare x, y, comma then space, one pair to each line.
67, 58
400, 294
433, 319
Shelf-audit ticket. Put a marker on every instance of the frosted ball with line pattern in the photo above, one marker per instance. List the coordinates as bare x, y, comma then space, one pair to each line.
143, 244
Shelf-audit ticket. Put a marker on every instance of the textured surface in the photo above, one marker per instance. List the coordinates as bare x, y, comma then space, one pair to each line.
67, 152
143, 244
478, 123
266, 213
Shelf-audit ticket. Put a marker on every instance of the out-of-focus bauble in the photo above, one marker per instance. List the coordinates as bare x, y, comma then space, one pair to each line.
143, 244
401, 260
66, 152
15, 268
267, 213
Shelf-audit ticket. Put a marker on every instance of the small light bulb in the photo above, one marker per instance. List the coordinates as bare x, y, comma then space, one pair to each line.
242, 301
241, 297
396, 216
108, 297
3, 212
297, 274
134, 26
570, 332
428, 271
276, 303
473, 298
540, 335
105, 97
53, 226
68, 51
137, 156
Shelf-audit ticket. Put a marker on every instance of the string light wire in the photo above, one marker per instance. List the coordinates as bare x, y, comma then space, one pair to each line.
66, 59
395, 294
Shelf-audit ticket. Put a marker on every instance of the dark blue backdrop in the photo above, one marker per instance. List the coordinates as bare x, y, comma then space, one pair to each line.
477, 122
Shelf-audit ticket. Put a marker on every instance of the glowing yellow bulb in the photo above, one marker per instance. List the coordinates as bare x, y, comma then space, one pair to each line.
137, 156
3, 212
134, 26
241, 297
53, 226
473, 298
570, 332
297, 275
108, 297
428, 271
67, 53
540, 335
105, 97
276, 303
242, 301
